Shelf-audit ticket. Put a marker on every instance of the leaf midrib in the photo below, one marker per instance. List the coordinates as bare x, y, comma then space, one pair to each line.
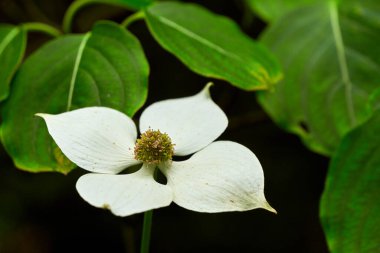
10, 36
196, 37
183, 30
342, 60
78, 58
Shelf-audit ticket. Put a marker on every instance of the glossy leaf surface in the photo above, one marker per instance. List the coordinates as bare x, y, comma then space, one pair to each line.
12, 47
212, 45
104, 67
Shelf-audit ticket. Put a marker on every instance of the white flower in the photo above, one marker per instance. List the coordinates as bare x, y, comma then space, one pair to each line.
221, 176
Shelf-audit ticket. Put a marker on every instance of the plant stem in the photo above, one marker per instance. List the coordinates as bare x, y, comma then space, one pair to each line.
41, 27
147, 225
79, 4
132, 18
72, 10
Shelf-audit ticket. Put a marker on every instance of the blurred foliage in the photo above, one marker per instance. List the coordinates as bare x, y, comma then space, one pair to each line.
350, 203
330, 54
330, 58
274, 9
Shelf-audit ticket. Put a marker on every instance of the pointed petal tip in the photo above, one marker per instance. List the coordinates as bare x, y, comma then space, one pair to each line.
42, 115
45, 116
106, 206
206, 89
208, 85
268, 207
198, 121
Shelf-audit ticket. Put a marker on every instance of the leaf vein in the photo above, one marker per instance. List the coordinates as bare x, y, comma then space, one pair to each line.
10, 36
196, 37
340, 48
78, 58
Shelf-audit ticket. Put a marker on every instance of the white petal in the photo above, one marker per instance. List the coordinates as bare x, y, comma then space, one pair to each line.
224, 176
191, 122
98, 139
125, 194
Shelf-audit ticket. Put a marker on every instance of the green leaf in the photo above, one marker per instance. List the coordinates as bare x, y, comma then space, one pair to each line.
331, 65
374, 101
212, 45
105, 67
134, 4
12, 47
350, 204
274, 9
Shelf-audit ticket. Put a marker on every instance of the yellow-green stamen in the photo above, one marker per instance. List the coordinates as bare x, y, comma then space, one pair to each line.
154, 147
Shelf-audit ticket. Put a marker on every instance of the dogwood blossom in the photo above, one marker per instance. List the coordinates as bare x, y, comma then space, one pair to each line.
221, 176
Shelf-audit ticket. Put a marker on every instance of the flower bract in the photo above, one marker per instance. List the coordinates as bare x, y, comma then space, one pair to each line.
220, 176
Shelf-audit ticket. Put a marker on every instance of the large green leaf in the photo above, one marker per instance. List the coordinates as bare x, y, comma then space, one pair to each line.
12, 47
104, 67
350, 204
274, 9
331, 59
212, 45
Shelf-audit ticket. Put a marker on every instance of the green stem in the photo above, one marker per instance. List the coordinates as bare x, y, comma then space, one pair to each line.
132, 18
71, 11
147, 226
41, 27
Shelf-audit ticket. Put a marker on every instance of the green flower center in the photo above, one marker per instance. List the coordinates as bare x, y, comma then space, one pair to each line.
154, 147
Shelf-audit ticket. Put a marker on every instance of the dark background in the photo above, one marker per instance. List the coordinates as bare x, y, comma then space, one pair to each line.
43, 213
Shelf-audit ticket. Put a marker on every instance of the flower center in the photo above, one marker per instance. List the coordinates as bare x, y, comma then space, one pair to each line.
154, 147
